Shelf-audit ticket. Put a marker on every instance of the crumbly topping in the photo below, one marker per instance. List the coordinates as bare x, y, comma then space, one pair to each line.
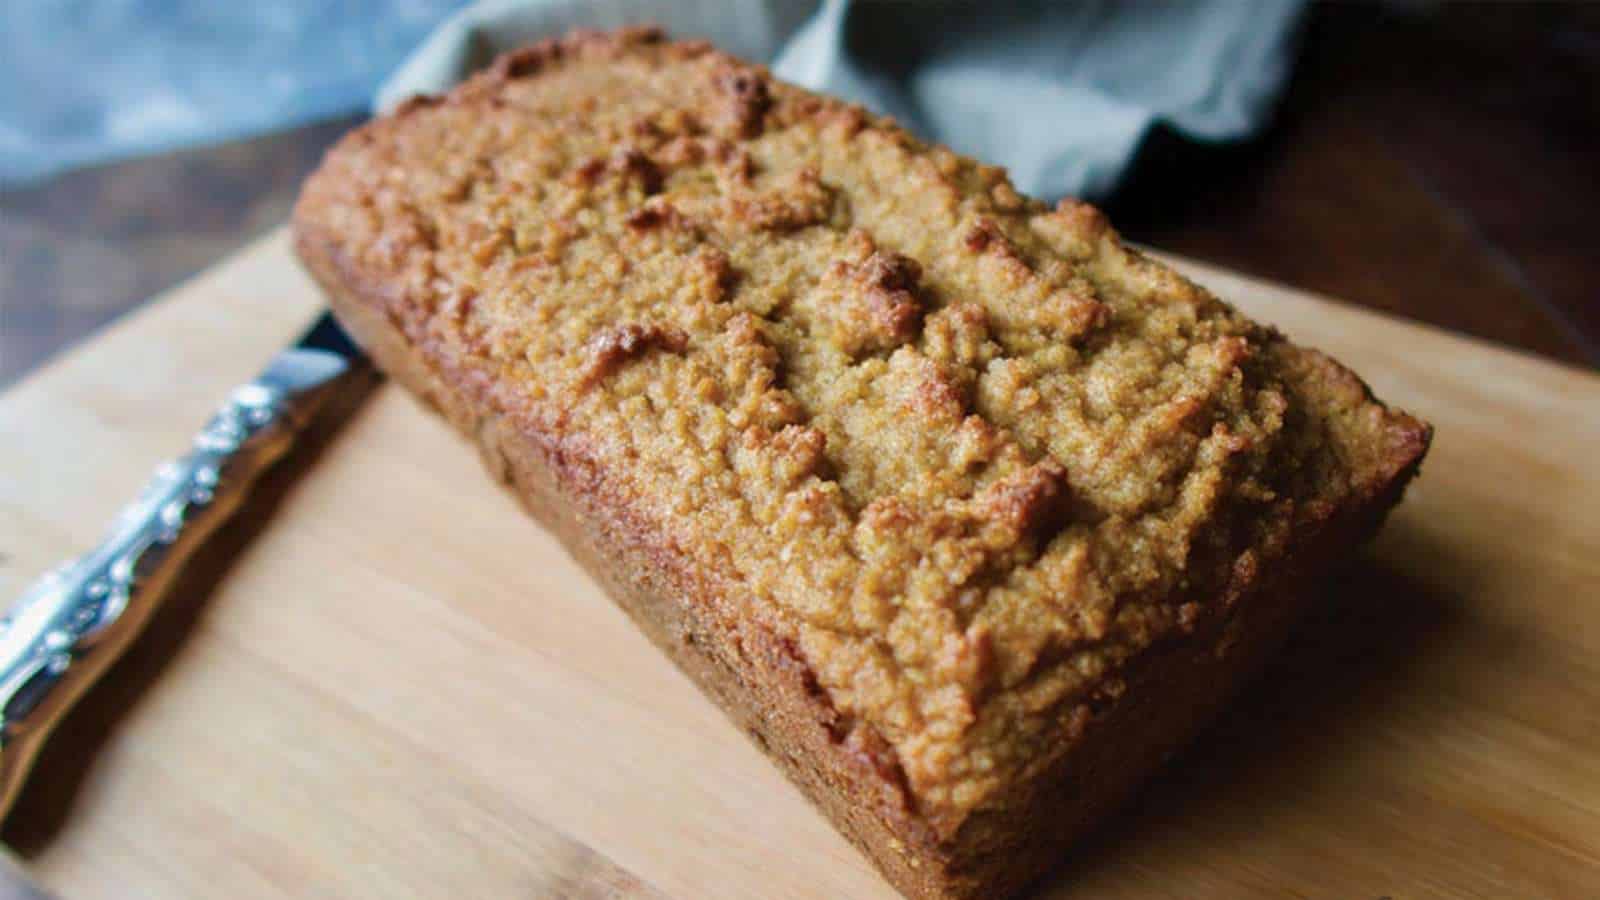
966, 451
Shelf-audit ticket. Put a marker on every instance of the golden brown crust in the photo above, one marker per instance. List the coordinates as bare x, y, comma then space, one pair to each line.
968, 513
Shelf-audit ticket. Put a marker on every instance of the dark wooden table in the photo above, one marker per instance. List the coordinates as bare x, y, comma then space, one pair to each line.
1443, 164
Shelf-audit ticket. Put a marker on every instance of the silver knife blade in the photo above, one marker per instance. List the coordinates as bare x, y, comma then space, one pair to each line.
67, 628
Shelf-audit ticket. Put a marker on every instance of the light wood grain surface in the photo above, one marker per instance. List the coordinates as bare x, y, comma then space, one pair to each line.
388, 682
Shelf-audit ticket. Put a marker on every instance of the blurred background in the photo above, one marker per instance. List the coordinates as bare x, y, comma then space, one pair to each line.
1433, 160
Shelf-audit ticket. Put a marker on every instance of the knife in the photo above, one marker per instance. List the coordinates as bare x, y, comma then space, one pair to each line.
68, 627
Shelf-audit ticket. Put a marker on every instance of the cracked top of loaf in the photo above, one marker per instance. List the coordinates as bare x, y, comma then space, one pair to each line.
966, 452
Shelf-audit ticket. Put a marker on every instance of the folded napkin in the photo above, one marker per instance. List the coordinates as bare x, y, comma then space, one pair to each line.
1062, 93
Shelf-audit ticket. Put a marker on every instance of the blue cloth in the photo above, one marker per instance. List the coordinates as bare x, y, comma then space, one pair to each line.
1062, 93
85, 81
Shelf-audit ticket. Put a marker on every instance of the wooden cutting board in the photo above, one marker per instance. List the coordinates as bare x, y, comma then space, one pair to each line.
388, 682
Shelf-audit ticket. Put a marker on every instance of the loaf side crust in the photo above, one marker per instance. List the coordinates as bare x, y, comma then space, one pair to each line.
932, 821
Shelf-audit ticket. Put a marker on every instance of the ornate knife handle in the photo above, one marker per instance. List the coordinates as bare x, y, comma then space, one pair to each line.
71, 624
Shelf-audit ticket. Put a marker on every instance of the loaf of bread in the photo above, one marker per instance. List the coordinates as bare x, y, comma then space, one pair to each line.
967, 513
